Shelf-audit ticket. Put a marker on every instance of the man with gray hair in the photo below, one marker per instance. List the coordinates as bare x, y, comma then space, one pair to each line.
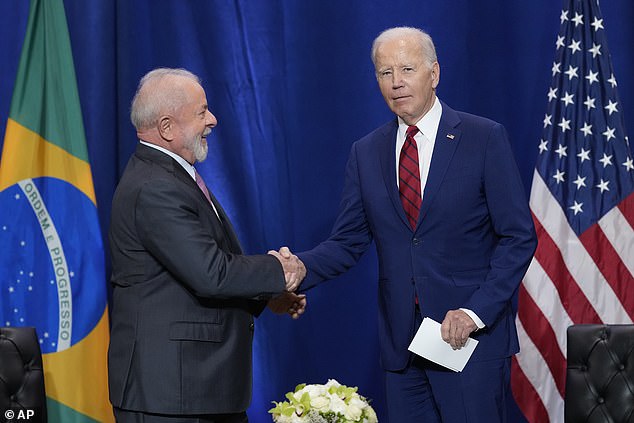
439, 193
184, 295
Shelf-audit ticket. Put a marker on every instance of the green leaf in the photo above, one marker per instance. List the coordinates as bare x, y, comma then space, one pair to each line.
282, 408
279, 406
305, 401
288, 410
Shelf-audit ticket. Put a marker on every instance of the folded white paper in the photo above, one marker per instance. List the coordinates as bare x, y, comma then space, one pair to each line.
428, 343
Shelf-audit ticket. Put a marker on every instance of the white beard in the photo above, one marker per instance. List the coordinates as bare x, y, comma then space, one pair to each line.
199, 148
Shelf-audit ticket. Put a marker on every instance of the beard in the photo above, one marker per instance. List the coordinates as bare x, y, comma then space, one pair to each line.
197, 146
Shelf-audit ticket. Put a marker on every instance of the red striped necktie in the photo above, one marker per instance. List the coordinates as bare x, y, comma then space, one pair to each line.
409, 177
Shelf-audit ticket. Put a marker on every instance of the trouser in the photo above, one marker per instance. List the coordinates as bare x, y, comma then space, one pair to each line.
126, 416
426, 392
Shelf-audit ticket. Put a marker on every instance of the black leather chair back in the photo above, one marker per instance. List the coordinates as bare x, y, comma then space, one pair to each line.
600, 374
21, 376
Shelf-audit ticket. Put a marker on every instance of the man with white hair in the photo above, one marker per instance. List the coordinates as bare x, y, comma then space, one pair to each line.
184, 295
439, 193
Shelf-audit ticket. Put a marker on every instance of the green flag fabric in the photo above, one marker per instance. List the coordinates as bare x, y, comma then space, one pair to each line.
52, 274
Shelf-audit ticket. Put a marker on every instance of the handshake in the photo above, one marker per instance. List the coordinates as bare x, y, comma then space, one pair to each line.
294, 274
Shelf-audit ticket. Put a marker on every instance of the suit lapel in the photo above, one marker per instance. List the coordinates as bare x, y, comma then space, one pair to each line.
221, 217
387, 154
447, 140
149, 153
226, 224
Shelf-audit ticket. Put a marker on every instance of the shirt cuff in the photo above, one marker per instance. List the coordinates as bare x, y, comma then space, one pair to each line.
479, 323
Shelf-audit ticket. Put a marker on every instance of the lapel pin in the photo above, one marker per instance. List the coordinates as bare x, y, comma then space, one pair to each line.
451, 136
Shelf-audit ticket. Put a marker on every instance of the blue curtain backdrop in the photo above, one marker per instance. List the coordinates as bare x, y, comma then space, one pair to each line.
292, 86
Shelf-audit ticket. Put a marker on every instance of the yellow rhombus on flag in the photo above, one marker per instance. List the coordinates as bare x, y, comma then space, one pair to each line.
52, 274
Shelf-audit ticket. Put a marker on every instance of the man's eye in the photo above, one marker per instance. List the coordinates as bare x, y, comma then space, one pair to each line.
408, 70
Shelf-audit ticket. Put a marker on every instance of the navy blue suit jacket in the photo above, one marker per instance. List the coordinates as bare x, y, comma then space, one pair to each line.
472, 245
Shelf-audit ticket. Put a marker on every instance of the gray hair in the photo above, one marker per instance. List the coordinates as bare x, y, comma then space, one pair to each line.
150, 100
426, 44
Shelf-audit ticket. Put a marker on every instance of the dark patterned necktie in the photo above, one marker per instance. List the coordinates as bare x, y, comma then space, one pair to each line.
409, 177
202, 186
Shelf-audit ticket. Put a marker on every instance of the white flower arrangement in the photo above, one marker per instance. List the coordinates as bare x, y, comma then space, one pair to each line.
329, 403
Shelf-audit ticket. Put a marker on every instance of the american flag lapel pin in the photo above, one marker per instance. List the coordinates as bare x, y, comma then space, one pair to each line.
451, 136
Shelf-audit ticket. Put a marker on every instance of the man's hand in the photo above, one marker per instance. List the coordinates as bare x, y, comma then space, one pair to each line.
294, 269
288, 302
456, 328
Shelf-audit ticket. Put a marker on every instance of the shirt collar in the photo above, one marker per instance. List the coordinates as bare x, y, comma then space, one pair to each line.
428, 124
189, 168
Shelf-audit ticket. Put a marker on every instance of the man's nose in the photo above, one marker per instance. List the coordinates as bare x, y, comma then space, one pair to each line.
211, 119
397, 79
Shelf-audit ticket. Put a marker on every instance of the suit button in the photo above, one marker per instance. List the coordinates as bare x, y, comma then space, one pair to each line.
251, 327
417, 241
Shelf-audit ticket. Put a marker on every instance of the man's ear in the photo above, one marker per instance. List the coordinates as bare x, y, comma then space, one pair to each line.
166, 128
435, 74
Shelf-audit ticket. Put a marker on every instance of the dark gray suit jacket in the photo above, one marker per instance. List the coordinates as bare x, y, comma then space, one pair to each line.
184, 296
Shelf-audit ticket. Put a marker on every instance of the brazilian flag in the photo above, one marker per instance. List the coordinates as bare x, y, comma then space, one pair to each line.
52, 274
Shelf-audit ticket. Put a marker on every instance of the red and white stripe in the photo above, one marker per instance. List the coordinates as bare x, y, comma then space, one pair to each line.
571, 280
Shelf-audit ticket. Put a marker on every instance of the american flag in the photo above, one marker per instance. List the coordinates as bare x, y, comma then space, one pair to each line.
582, 202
